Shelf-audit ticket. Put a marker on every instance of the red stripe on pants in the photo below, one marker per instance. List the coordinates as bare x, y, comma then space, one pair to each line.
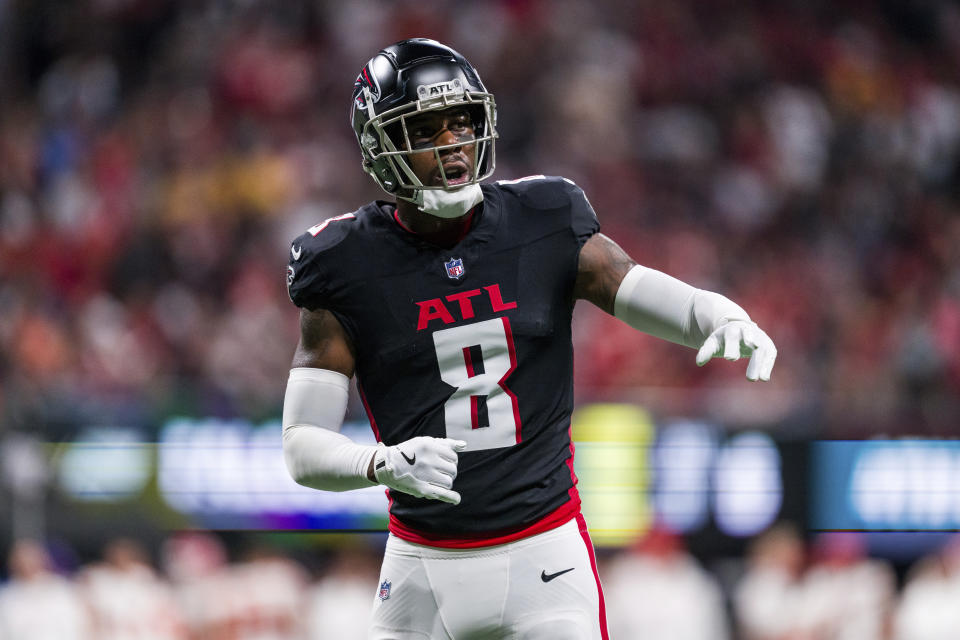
582, 523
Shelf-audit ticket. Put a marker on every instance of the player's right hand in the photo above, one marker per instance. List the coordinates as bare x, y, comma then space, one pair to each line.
741, 338
423, 467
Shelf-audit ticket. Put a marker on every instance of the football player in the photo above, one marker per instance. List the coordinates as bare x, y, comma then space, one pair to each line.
452, 305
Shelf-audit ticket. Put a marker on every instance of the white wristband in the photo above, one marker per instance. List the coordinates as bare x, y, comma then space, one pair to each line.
316, 454
655, 303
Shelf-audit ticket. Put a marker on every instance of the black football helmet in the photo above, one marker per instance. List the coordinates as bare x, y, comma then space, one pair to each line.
406, 79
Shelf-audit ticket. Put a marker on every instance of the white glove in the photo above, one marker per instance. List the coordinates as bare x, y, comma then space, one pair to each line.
739, 338
423, 467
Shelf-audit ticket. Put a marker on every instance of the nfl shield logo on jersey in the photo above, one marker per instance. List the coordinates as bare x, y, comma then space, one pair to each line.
454, 268
384, 590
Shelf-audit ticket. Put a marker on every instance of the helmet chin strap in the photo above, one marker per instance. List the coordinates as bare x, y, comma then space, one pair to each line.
447, 204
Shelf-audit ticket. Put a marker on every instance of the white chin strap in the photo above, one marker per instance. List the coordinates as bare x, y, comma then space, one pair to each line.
448, 204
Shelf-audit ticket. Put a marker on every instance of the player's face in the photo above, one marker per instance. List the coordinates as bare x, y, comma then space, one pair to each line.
436, 129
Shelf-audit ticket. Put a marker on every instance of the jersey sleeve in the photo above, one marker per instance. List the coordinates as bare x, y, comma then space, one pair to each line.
304, 277
311, 271
583, 219
556, 194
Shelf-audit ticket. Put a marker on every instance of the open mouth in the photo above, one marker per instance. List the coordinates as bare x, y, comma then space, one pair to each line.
456, 173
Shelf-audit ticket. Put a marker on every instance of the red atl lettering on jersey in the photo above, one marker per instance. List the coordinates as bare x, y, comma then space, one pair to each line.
463, 297
498, 305
435, 309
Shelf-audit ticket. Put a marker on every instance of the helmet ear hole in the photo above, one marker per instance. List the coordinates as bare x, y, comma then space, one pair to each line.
388, 183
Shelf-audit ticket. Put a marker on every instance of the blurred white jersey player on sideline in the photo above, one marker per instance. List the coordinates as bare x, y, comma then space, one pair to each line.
928, 604
127, 599
342, 596
658, 590
259, 598
38, 604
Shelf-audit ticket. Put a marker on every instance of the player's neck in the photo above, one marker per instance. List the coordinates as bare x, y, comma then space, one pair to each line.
443, 232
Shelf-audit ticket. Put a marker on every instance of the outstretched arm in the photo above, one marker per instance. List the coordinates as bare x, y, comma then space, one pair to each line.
603, 265
319, 456
658, 304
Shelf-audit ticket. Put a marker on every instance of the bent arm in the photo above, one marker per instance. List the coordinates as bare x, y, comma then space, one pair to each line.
317, 455
323, 343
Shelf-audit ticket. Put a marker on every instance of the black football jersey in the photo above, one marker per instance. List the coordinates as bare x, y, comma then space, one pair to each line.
471, 342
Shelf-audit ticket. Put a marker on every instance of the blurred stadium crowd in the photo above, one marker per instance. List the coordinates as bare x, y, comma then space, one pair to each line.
156, 157
830, 590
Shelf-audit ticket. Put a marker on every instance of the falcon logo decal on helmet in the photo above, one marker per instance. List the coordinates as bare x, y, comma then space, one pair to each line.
365, 80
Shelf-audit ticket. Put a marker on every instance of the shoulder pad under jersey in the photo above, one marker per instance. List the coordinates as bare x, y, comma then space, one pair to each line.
307, 268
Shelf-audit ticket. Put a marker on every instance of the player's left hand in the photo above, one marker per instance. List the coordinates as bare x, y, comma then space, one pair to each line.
423, 466
739, 338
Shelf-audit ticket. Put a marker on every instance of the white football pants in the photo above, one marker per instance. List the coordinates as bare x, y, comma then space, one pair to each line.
542, 587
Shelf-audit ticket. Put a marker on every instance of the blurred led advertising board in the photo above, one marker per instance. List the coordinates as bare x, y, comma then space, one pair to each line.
612, 444
886, 485
736, 480
218, 474
684, 475
229, 474
232, 474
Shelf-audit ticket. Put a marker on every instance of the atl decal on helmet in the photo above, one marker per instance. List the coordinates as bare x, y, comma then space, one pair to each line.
425, 92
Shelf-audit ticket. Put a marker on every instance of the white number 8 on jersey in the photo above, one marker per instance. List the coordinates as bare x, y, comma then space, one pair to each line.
477, 359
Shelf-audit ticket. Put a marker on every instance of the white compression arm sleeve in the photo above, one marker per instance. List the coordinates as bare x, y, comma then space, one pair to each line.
655, 303
317, 455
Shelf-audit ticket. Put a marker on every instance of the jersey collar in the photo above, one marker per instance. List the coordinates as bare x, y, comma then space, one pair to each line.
486, 218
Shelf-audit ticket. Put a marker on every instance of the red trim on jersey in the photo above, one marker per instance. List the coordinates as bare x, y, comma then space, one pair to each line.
512, 349
562, 515
468, 360
467, 224
474, 408
402, 226
573, 492
474, 412
582, 524
366, 407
